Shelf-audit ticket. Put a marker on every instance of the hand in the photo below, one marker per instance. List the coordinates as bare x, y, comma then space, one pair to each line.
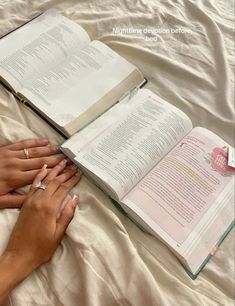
17, 170
38, 232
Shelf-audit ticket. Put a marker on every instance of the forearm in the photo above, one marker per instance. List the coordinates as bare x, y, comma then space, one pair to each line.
11, 274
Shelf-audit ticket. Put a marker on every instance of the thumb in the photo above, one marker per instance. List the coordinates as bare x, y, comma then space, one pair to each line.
12, 200
65, 217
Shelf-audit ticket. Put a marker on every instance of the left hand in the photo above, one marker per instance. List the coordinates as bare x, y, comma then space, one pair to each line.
18, 170
38, 230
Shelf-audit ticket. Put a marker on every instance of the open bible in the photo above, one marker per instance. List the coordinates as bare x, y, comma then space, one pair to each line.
169, 177
51, 64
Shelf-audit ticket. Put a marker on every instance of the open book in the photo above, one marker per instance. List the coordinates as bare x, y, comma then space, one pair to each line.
51, 64
169, 177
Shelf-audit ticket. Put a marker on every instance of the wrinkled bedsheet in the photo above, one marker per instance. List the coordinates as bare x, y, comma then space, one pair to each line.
105, 259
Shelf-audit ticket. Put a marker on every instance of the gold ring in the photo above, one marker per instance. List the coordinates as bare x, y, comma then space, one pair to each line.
26, 153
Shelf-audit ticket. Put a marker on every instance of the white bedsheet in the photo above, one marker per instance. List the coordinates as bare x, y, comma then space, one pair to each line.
105, 260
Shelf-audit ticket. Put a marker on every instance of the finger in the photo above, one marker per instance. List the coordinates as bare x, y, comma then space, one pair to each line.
65, 218
63, 190
55, 171
37, 152
37, 163
25, 178
60, 179
29, 143
11, 200
39, 177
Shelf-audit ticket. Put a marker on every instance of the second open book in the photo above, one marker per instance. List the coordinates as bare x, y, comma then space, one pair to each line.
52, 65
171, 178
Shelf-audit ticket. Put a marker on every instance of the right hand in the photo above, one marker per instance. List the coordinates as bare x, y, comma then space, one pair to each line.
38, 232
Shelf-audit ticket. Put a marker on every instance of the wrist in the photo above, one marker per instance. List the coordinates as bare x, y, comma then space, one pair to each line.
11, 274
9, 277
20, 263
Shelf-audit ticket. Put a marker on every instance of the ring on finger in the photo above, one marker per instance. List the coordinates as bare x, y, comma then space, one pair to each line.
40, 185
26, 153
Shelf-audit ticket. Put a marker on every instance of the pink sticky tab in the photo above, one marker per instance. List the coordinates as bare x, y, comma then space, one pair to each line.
231, 157
219, 161
214, 249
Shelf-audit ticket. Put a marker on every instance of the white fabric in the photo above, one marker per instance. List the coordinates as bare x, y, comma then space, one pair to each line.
106, 260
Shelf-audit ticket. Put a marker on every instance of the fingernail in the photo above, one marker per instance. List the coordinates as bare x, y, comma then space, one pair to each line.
78, 173
64, 161
74, 200
56, 148
44, 167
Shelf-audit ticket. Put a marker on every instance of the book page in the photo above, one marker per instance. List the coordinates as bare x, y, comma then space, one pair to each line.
37, 46
181, 194
144, 130
205, 239
66, 91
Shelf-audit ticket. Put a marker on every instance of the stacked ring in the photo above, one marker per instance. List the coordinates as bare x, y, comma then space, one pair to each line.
40, 185
26, 153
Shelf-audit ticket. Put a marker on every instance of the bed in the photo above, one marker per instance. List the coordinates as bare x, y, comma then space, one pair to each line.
105, 259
